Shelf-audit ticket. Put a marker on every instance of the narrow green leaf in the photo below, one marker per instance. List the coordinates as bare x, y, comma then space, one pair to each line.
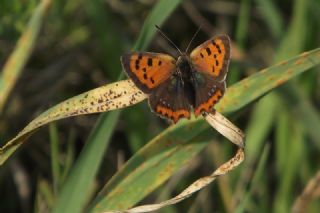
258, 84
157, 17
152, 164
255, 183
74, 192
18, 59
272, 16
54, 150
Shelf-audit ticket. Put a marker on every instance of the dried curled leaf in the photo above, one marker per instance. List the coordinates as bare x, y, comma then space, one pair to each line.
112, 96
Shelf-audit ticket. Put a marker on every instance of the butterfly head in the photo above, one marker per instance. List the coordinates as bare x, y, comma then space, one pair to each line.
182, 60
183, 66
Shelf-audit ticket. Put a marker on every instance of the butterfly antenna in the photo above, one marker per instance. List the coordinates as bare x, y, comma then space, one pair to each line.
194, 35
166, 37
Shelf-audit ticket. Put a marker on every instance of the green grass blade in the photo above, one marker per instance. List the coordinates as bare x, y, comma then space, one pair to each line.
74, 192
255, 183
272, 16
151, 165
307, 115
108, 36
18, 59
292, 161
54, 150
157, 17
258, 84
243, 22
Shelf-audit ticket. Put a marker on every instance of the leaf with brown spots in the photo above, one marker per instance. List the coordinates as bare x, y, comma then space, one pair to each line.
110, 97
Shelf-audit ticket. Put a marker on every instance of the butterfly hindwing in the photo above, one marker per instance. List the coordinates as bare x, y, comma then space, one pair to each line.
170, 100
208, 91
148, 70
212, 57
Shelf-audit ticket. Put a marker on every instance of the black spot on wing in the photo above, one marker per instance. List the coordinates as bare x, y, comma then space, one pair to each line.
149, 62
217, 46
208, 51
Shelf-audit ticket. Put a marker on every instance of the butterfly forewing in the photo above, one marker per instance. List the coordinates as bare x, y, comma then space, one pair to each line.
212, 57
210, 63
148, 70
170, 100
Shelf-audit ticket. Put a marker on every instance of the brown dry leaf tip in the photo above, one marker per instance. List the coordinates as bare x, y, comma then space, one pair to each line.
310, 192
227, 129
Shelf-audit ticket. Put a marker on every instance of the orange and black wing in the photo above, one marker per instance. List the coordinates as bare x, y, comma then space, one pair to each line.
148, 70
169, 100
212, 57
208, 92
210, 63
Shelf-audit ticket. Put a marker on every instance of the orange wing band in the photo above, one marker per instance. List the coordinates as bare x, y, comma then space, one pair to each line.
173, 115
207, 106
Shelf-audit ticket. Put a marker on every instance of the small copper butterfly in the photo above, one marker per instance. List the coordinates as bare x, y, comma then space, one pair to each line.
176, 86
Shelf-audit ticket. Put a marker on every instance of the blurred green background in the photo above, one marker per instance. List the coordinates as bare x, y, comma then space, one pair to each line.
78, 48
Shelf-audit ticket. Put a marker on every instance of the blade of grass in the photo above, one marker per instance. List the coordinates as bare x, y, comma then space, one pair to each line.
272, 16
286, 49
107, 35
243, 22
259, 126
288, 172
240, 37
255, 180
17, 60
151, 165
68, 161
54, 149
77, 185
260, 83
307, 113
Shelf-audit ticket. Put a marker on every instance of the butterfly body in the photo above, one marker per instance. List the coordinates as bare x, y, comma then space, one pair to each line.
176, 86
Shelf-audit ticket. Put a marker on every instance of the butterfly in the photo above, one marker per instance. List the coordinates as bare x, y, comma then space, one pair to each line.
175, 87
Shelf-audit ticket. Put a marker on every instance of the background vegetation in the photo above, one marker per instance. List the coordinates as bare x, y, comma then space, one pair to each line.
74, 46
